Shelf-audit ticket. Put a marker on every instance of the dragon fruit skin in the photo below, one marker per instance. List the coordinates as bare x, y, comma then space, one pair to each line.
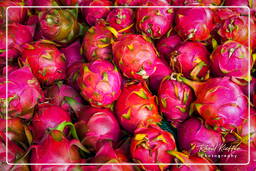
194, 23
121, 19
72, 73
127, 52
194, 136
129, 2
239, 3
221, 113
174, 98
136, 106
150, 145
154, 22
45, 60
196, 2
96, 43
24, 92
192, 60
99, 82
230, 59
58, 25
44, 3
92, 15
55, 148
72, 53
95, 126
47, 116
162, 70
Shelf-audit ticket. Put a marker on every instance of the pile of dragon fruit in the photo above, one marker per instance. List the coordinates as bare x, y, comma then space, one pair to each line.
122, 88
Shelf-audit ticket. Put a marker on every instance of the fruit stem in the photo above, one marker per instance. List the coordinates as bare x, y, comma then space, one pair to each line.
178, 155
77, 107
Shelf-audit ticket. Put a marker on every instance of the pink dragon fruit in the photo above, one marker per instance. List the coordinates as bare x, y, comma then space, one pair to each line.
239, 155
246, 86
59, 25
44, 3
97, 43
194, 23
162, 70
154, 22
127, 52
121, 19
17, 35
196, 138
129, 2
196, 2
136, 106
184, 158
167, 44
100, 83
174, 98
191, 59
47, 116
241, 3
92, 15
72, 53
24, 92
222, 113
72, 73
231, 59
45, 60
70, 2
15, 15
151, 145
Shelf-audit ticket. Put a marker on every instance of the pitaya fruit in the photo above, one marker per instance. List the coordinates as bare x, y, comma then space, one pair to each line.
45, 60
97, 43
47, 116
220, 102
151, 145
72, 73
121, 19
194, 24
239, 156
18, 34
129, 2
59, 25
191, 59
246, 86
72, 53
100, 83
70, 2
56, 95
196, 138
24, 92
128, 51
92, 15
167, 44
15, 15
136, 106
174, 98
231, 59
242, 3
162, 70
196, 2
154, 22
184, 158
45, 3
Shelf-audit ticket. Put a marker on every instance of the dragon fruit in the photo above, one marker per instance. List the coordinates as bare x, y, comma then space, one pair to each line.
196, 138
154, 22
129, 2
47, 116
18, 34
167, 44
196, 2
97, 43
59, 25
127, 52
70, 2
184, 158
136, 106
15, 15
44, 3
174, 98
151, 145
239, 155
240, 3
56, 95
231, 59
100, 83
72, 73
72, 53
246, 86
121, 19
45, 60
194, 23
92, 15
221, 113
191, 59
162, 70
24, 92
